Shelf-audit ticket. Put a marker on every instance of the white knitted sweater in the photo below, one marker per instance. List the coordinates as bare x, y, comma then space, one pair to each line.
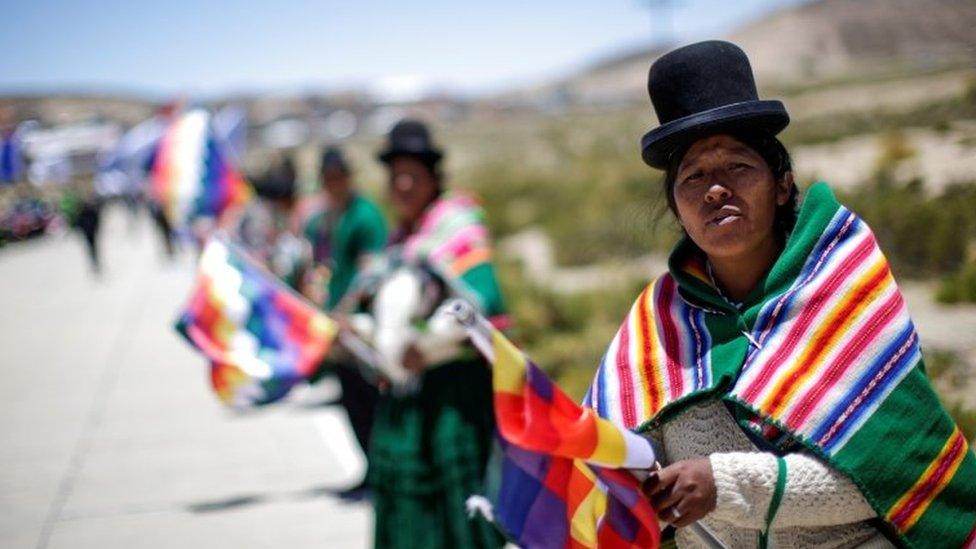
820, 507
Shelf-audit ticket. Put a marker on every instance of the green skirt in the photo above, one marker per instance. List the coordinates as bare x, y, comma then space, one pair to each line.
427, 455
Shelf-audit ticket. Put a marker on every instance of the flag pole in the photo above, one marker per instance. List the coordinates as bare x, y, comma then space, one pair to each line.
479, 332
477, 327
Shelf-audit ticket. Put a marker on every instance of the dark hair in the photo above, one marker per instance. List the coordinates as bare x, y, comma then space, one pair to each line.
433, 166
772, 151
332, 157
278, 181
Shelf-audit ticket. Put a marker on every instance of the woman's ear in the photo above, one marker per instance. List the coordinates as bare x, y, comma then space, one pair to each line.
783, 188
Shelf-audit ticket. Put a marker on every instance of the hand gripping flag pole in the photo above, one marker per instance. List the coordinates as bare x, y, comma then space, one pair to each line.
583, 436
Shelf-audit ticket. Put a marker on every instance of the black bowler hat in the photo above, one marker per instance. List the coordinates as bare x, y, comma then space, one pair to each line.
410, 138
277, 182
703, 89
332, 157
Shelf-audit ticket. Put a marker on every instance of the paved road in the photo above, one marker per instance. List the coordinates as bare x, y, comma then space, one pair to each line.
111, 437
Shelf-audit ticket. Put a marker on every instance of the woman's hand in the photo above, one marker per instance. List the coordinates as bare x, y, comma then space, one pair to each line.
343, 322
413, 360
314, 285
682, 492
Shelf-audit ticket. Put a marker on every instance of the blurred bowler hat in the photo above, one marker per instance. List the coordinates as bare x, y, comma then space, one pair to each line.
410, 138
332, 158
278, 181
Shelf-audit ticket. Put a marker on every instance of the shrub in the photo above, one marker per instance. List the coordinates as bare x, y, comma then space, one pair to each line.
959, 287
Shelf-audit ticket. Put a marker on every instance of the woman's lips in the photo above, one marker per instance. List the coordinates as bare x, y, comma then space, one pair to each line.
728, 219
726, 214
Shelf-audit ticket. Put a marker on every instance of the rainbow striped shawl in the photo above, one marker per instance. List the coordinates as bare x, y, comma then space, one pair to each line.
453, 239
823, 353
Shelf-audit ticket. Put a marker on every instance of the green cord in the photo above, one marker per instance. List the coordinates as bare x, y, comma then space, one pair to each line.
774, 504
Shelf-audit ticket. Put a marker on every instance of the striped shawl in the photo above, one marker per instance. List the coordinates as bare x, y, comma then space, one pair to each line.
822, 354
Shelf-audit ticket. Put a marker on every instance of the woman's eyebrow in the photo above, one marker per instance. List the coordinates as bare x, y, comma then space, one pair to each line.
743, 151
685, 166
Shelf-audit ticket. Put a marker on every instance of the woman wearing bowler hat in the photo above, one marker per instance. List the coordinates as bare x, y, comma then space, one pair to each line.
775, 365
434, 426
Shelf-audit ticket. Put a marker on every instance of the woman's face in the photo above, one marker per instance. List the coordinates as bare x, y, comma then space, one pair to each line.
336, 183
412, 188
726, 197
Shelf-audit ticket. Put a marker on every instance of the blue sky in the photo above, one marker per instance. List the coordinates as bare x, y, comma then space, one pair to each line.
199, 47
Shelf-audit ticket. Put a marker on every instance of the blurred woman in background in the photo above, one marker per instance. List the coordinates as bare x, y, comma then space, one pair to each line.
434, 425
82, 208
346, 231
264, 225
